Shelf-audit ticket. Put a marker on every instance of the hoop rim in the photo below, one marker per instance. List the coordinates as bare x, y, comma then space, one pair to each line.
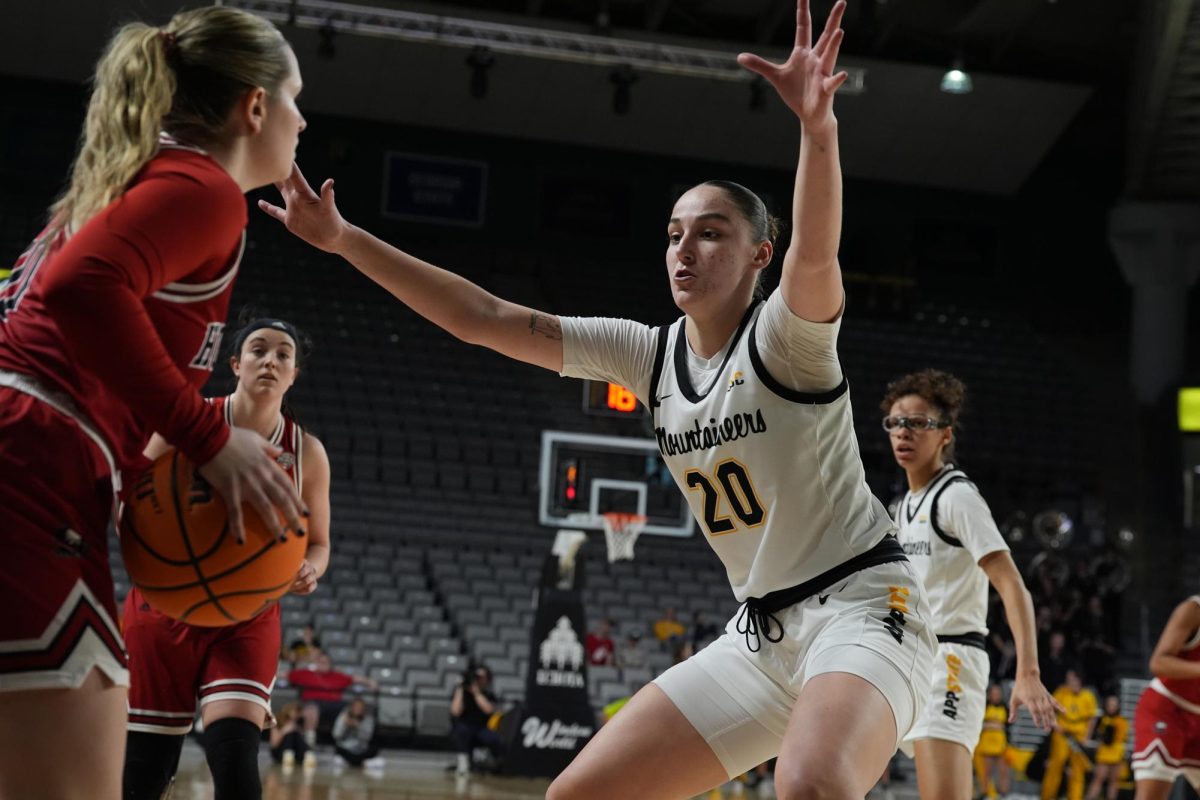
623, 518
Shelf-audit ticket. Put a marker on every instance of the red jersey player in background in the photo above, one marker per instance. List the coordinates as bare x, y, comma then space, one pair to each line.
1166, 725
109, 324
228, 671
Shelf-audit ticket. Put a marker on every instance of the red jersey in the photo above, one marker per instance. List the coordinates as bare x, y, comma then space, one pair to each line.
1178, 689
600, 649
125, 316
316, 685
288, 436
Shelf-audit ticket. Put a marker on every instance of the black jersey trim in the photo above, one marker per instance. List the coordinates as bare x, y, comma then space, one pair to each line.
757, 616
966, 639
933, 505
910, 513
683, 376
660, 357
807, 398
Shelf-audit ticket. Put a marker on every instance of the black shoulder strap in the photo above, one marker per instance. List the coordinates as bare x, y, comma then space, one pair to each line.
660, 355
933, 509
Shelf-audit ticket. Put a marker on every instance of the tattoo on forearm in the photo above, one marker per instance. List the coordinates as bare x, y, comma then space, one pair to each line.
546, 325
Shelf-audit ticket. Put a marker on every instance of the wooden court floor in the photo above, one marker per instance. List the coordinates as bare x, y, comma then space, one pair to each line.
407, 775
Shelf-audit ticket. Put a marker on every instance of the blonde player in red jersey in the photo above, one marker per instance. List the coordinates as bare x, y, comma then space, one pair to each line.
228, 672
1166, 724
824, 663
109, 324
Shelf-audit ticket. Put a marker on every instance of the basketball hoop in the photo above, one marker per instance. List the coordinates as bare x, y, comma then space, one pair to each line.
621, 530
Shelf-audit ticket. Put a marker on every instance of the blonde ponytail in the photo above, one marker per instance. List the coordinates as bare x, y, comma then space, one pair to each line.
184, 79
131, 95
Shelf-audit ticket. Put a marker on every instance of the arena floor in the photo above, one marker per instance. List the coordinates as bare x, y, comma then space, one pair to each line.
407, 775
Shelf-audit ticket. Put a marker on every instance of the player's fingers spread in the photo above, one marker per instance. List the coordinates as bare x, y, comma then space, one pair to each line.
831, 85
829, 55
275, 212
758, 65
803, 24
835, 15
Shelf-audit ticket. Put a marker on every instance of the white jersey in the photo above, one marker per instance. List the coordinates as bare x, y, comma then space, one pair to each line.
945, 529
772, 474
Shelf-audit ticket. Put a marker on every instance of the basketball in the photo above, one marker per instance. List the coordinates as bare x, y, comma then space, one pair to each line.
180, 553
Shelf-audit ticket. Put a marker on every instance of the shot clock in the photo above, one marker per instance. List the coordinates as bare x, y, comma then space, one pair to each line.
609, 400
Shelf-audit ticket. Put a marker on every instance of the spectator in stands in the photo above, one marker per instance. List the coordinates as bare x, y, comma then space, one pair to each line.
601, 650
321, 688
632, 654
703, 632
354, 735
1055, 661
1075, 726
991, 764
1111, 735
304, 650
682, 652
669, 629
287, 738
471, 706
1095, 651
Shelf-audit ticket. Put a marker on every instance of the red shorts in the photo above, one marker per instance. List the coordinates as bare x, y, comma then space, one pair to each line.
173, 665
1166, 740
56, 588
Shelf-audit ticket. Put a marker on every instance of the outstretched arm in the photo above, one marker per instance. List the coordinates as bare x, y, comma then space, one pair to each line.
1165, 662
812, 278
447, 300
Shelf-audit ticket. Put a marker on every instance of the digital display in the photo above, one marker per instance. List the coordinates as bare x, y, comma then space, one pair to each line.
1189, 410
609, 399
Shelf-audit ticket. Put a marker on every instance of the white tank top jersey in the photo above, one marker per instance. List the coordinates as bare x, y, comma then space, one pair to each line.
760, 438
945, 529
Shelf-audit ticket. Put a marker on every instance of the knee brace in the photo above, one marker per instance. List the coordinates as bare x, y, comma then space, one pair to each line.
150, 763
231, 747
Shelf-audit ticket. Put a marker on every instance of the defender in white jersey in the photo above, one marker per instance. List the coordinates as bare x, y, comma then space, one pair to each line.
947, 531
824, 661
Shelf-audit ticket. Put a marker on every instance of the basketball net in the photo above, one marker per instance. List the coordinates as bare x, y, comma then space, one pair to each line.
621, 530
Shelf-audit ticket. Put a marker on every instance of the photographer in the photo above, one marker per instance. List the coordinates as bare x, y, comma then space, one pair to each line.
354, 735
470, 707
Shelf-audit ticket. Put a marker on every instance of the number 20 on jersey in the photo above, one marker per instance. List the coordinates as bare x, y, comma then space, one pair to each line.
727, 491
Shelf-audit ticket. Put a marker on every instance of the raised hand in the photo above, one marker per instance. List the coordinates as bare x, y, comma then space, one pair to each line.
806, 81
314, 218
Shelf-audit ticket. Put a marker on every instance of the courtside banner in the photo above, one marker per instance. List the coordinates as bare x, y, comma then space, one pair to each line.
557, 719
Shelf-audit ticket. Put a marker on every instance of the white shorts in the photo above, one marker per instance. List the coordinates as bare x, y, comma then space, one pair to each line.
872, 625
954, 702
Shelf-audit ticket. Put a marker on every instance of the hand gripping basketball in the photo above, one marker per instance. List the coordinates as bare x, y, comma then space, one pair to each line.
180, 552
244, 471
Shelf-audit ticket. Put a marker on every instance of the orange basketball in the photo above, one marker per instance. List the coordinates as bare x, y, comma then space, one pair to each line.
180, 553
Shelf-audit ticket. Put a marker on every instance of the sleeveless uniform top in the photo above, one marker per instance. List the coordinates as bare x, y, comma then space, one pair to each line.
945, 529
288, 435
773, 475
1184, 693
